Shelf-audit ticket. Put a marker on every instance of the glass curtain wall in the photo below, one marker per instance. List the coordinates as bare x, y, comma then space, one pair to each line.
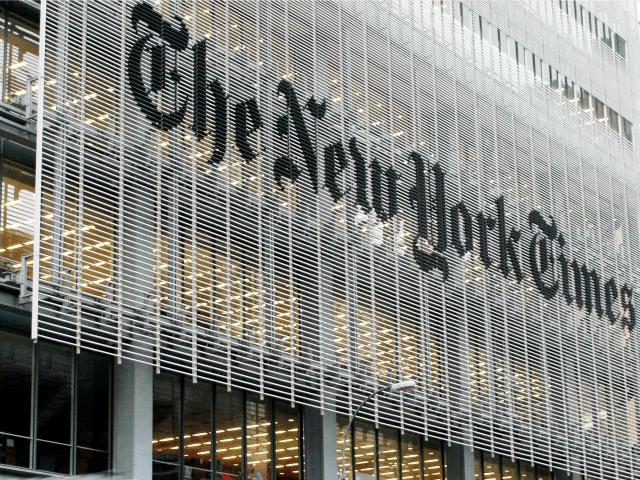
499, 467
60, 398
385, 454
254, 438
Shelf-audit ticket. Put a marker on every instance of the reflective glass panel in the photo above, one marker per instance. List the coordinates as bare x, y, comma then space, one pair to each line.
542, 473
509, 469
287, 431
91, 461
410, 456
364, 449
526, 471
198, 415
16, 354
52, 457
166, 425
228, 433
432, 459
388, 453
15, 378
22, 58
54, 393
17, 209
93, 400
491, 466
259, 438
340, 430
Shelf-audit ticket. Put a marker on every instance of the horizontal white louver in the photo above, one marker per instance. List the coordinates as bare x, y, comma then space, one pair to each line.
312, 199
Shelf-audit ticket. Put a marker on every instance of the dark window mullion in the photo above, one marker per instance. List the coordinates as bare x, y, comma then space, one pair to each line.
244, 435
74, 413
181, 431
214, 454
399, 456
377, 456
301, 434
421, 457
272, 436
34, 402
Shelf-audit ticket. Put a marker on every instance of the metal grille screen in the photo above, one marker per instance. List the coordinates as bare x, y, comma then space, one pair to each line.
309, 199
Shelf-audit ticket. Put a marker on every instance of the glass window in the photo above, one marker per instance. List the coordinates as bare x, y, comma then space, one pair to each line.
364, 450
93, 396
585, 100
18, 203
491, 466
526, 471
54, 407
198, 418
410, 456
341, 429
542, 473
22, 43
599, 109
258, 437
509, 469
15, 377
614, 120
166, 426
432, 460
621, 46
287, 433
628, 129
477, 463
229, 414
388, 453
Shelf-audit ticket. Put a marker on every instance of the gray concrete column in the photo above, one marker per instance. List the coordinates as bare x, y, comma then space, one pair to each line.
320, 444
133, 420
460, 463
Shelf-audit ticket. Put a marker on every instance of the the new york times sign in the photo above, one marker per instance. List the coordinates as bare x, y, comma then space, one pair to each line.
555, 274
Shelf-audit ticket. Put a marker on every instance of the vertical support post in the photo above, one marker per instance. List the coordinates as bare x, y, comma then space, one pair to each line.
460, 462
320, 444
133, 419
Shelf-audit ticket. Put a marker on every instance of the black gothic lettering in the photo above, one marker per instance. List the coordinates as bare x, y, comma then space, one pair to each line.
284, 167
441, 207
564, 268
507, 248
247, 110
456, 211
418, 196
628, 310
361, 176
220, 123
295, 111
484, 225
316, 109
200, 89
610, 296
158, 68
539, 244
577, 284
392, 191
376, 190
592, 291
430, 261
177, 39
332, 169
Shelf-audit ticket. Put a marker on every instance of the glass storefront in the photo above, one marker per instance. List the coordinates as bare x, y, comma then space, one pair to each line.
60, 398
254, 438
385, 454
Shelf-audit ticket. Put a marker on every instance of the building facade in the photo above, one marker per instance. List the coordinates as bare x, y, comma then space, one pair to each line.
225, 224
